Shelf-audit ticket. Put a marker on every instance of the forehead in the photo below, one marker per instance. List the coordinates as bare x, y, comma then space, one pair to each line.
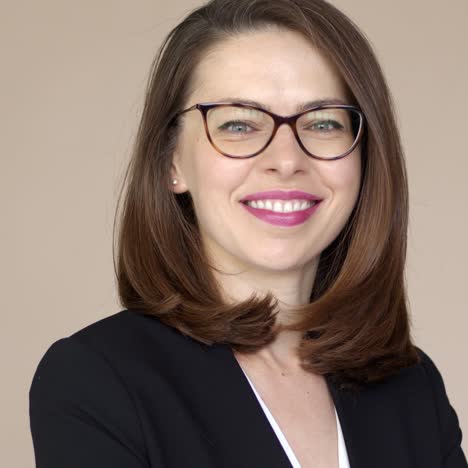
279, 68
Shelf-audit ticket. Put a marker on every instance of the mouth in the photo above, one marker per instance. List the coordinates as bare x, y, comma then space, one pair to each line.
281, 212
281, 206
281, 195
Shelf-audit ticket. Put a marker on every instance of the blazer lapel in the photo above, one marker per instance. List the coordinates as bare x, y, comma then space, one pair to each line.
372, 428
236, 423
376, 428
370, 421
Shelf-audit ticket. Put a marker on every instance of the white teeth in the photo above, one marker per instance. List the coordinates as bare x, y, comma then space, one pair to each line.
280, 206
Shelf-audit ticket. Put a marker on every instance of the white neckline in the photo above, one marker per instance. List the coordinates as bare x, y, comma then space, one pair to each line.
343, 461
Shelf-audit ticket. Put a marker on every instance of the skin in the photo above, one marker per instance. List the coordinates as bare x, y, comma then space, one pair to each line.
280, 69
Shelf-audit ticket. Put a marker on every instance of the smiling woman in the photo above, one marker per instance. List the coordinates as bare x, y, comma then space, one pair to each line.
260, 258
267, 257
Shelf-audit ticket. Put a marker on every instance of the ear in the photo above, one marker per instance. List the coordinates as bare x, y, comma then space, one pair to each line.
176, 174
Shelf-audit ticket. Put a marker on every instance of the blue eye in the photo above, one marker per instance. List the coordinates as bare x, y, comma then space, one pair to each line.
327, 125
235, 126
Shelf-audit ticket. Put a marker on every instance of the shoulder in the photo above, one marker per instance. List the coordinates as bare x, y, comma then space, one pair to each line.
91, 353
412, 403
432, 378
128, 327
133, 335
427, 399
126, 348
86, 386
104, 356
449, 426
121, 341
108, 384
420, 381
76, 394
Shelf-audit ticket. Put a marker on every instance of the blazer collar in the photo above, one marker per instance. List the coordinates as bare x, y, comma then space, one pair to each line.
244, 436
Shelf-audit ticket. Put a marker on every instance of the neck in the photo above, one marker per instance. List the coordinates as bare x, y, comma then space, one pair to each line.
291, 288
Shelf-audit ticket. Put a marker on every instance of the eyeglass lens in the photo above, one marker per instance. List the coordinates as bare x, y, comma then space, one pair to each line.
241, 131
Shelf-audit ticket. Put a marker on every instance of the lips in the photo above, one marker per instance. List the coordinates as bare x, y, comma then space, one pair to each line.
286, 219
281, 195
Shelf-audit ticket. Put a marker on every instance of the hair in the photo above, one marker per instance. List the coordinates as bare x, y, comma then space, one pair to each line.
356, 327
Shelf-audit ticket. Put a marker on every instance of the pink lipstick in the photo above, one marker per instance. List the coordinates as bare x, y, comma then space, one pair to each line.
287, 219
281, 195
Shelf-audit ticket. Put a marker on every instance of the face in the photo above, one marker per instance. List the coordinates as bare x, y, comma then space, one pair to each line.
281, 70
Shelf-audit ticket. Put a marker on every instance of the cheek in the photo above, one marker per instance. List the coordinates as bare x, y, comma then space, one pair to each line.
214, 179
218, 174
343, 177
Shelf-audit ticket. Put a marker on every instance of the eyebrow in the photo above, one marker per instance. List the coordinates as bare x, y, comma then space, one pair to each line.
299, 108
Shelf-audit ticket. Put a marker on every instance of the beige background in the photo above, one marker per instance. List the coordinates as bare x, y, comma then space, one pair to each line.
72, 79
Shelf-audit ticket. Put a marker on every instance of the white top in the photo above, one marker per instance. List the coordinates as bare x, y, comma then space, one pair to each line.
343, 461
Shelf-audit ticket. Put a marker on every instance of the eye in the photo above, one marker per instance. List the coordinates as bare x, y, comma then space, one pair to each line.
325, 121
326, 125
235, 126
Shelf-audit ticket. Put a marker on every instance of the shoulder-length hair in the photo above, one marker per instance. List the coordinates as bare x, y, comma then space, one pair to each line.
356, 326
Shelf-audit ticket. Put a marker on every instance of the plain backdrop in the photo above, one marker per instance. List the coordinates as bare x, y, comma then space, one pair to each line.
71, 87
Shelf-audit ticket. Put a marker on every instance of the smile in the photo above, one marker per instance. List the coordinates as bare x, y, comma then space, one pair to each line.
280, 206
282, 213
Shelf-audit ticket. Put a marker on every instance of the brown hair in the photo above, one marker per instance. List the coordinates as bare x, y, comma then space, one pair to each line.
356, 327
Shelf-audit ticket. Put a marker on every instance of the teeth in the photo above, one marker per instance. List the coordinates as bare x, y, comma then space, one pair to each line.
280, 206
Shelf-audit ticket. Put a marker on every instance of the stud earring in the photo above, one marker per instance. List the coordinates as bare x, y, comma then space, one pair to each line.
174, 181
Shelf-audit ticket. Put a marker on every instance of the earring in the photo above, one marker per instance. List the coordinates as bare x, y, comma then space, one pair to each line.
174, 181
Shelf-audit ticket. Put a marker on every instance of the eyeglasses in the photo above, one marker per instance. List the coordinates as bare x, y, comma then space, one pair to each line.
237, 130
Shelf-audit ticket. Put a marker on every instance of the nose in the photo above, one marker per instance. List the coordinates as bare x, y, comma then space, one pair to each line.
283, 155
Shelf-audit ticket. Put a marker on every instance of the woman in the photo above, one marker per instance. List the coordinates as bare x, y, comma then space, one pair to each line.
260, 261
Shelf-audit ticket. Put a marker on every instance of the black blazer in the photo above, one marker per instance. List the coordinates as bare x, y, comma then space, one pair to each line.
131, 392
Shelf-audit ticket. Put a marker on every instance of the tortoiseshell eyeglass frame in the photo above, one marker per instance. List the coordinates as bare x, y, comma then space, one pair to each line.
278, 121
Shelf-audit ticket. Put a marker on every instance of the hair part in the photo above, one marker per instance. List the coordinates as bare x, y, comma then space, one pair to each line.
356, 327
